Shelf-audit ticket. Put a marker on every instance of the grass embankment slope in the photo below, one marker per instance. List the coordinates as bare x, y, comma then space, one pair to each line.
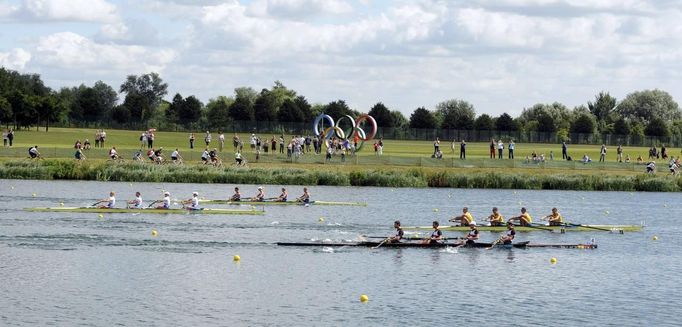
404, 163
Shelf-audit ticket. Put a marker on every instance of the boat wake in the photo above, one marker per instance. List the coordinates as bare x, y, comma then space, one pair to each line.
449, 249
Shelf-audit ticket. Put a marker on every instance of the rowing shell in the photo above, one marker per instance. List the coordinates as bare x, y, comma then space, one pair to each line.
321, 203
522, 245
147, 210
559, 229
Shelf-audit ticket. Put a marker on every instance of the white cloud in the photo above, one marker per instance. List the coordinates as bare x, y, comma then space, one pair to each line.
15, 59
298, 9
61, 10
72, 51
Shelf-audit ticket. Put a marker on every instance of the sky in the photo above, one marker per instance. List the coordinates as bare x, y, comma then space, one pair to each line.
499, 55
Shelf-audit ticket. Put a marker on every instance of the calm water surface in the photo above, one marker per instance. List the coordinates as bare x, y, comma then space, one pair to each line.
72, 269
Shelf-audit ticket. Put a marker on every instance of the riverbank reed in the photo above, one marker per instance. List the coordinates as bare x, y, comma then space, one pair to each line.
457, 178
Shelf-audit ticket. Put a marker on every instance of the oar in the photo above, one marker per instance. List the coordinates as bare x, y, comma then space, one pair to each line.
537, 227
382, 243
494, 243
153, 203
96, 203
588, 226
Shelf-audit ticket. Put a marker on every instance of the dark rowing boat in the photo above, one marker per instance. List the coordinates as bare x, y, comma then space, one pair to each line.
521, 245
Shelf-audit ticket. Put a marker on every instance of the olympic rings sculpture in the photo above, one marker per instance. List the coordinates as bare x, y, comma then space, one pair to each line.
354, 132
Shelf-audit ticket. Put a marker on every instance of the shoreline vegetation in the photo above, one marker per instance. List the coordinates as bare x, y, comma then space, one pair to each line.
65, 169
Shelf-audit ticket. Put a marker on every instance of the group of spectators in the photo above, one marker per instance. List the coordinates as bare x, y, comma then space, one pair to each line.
100, 138
7, 137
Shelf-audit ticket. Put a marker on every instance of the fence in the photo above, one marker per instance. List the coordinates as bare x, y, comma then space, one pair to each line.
298, 128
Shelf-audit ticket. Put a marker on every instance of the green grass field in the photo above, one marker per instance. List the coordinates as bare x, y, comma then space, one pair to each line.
58, 143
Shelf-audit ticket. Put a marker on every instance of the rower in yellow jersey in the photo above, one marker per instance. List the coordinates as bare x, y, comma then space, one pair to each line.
554, 218
496, 219
524, 218
465, 218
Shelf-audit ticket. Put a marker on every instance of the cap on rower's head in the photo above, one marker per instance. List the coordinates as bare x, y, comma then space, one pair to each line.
523, 209
138, 193
166, 193
260, 187
236, 188
195, 193
397, 223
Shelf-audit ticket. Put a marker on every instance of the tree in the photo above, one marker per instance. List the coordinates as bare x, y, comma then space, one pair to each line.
382, 115
546, 123
23, 108
190, 112
336, 109
306, 109
456, 114
265, 107
5, 111
484, 123
120, 114
505, 123
49, 108
399, 120
147, 90
584, 123
289, 112
649, 104
657, 127
241, 108
218, 112
281, 93
602, 107
422, 118
621, 127
561, 116
106, 98
173, 111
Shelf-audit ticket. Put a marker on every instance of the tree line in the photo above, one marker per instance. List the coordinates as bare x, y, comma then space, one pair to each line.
25, 101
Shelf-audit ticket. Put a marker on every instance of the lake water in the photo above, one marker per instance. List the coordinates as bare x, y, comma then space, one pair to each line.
72, 269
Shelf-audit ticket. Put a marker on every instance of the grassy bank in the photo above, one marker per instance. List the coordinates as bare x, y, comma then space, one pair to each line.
387, 177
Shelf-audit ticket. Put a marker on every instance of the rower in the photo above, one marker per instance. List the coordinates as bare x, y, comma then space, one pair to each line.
110, 202
137, 202
165, 202
509, 236
236, 197
472, 236
436, 235
554, 218
283, 197
305, 198
398, 233
260, 197
193, 202
524, 218
496, 219
465, 218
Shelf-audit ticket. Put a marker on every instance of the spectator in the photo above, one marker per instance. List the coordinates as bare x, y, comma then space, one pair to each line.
463, 150
207, 138
602, 153
150, 139
381, 146
512, 145
551, 155
10, 136
235, 141
500, 149
439, 155
273, 144
97, 138
308, 140
252, 142
564, 150
619, 153
664, 152
436, 145
191, 140
492, 149
5, 139
102, 137
221, 141
78, 145
86, 144
281, 144
586, 159
627, 158
143, 139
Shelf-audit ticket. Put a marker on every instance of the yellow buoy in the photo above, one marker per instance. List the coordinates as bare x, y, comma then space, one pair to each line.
236, 258
61, 204
100, 215
435, 209
655, 238
364, 298
154, 232
552, 260
321, 219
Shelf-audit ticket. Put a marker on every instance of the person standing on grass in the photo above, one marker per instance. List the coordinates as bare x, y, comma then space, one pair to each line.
564, 150
500, 149
463, 150
103, 136
191, 140
207, 138
511, 149
281, 144
221, 141
602, 153
436, 145
619, 152
97, 138
664, 152
492, 149
10, 137
150, 139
